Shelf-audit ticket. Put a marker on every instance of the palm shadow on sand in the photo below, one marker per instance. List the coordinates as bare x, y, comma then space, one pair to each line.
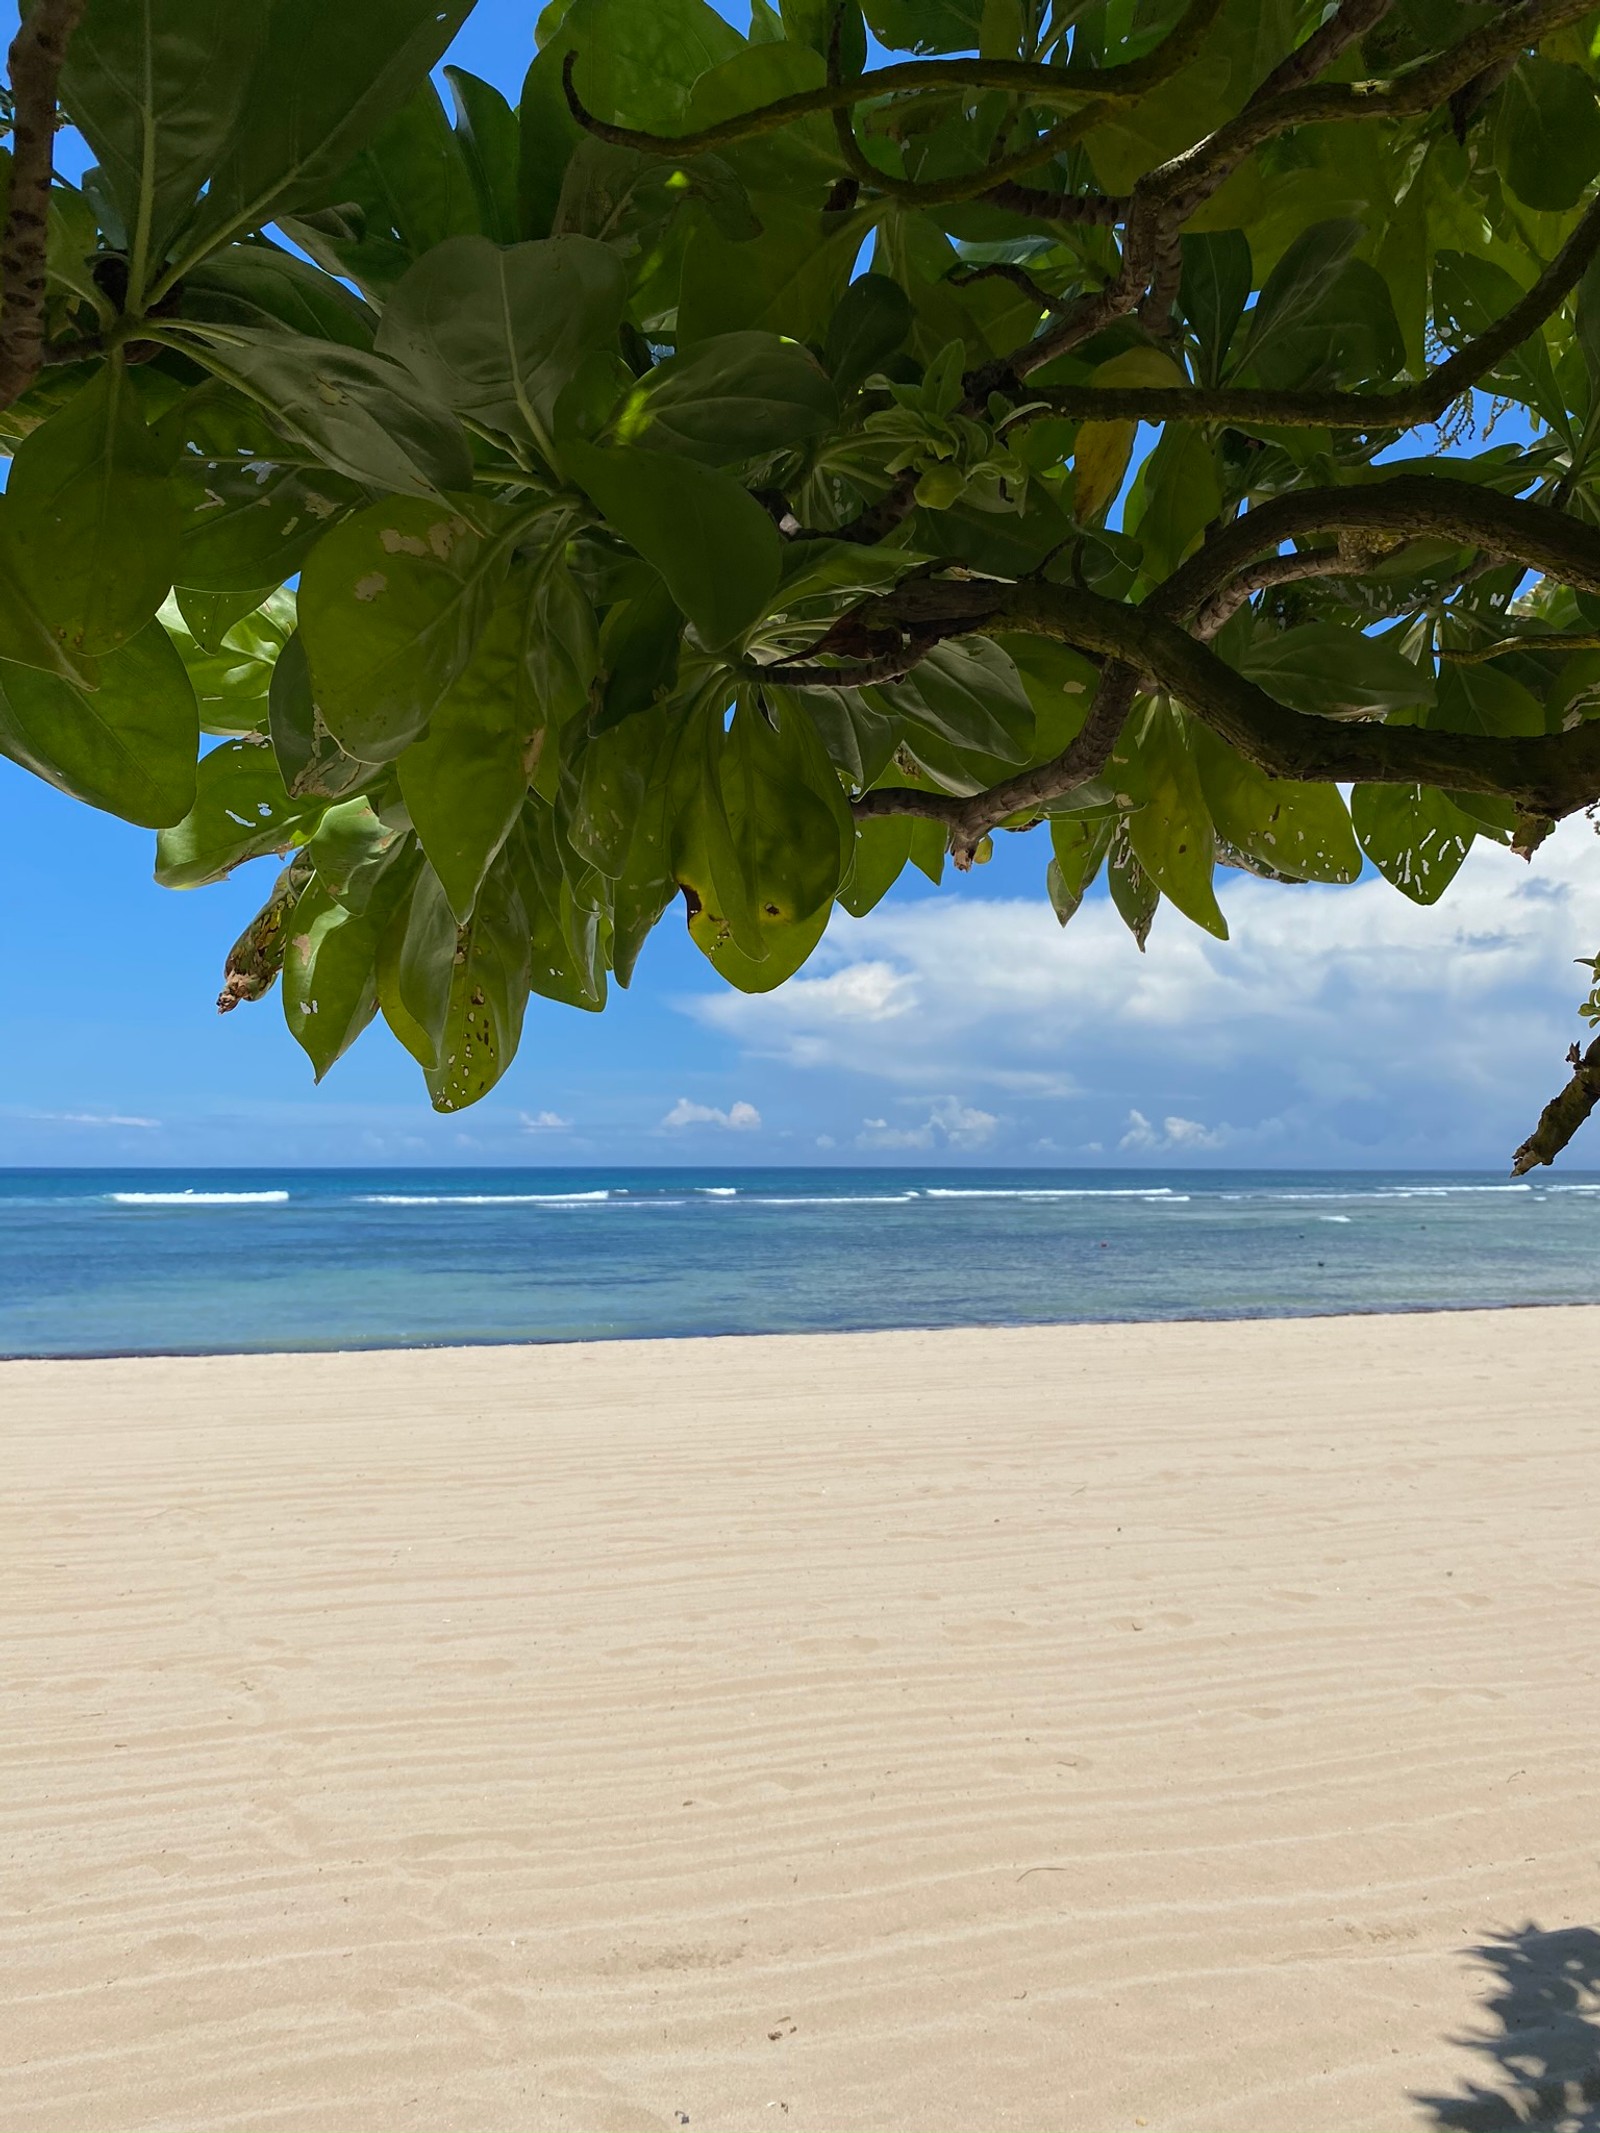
1545, 2049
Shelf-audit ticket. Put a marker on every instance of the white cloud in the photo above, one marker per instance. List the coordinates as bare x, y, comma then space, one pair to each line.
954, 1124
544, 1122
738, 1118
1173, 1134
1338, 1024
90, 1118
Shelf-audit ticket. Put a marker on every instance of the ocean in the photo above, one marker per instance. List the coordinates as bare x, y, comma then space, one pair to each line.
169, 1262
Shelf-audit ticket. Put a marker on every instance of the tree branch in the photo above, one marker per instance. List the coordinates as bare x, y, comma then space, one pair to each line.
1405, 504
1543, 775
1563, 1114
1400, 409
970, 820
37, 53
1039, 83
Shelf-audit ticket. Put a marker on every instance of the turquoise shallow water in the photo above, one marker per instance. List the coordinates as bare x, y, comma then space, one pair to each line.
120, 1262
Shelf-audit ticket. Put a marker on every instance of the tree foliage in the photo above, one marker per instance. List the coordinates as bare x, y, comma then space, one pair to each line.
710, 479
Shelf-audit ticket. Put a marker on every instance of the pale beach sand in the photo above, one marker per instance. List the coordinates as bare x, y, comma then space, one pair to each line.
1084, 1728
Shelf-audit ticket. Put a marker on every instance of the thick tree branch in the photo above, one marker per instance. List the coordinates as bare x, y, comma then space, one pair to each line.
1543, 775
1165, 198
38, 52
1403, 505
1563, 1114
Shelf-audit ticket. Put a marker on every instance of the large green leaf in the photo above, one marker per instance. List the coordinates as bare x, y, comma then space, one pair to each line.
764, 840
969, 693
496, 333
1547, 132
638, 65
1413, 835
330, 979
360, 415
486, 127
128, 746
1323, 316
251, 505
1295, 829
325, 79
736, 396
256, 285
92, 517
486, 995
157, 88
241, 811
1175, 496
713, 544
1172, 834
392, 604
789, 283
1334, 671
465, 781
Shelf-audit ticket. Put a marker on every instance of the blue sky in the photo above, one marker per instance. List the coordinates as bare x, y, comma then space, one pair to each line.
1339, 1027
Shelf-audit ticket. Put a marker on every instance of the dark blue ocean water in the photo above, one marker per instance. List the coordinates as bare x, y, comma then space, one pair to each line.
117, 1262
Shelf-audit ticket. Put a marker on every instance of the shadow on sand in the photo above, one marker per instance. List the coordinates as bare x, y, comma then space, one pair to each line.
1545, 2048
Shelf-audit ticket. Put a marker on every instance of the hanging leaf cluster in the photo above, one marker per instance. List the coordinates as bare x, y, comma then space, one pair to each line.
753, 464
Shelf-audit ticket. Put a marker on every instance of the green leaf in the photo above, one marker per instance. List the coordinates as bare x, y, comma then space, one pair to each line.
1323, 317
1547, 132
1481, 699
736, 396
789, 283
324, 81
330, 981
763, 843
713, 544
804, 154
1134, 895
925, 25
392, 604
250, 505
310, 761
638, 654
128, 746
883, 850
358, 414
465, 782
1078, 851
969, 693
1413, 835
157, 91
1294, 828
1212, 292
495, 334
486, 997
256, 285
637, 66
1469, 296
1172, 834
1334, 671
360, 859
1175, 496
208, 616
92, 518
870, 323
241, 811
413, 188
486, 127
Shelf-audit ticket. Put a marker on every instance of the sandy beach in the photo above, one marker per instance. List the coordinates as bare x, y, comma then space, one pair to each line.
1084, 1728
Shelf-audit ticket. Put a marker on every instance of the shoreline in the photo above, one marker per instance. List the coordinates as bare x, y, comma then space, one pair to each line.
1075, 1728
605, 1341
